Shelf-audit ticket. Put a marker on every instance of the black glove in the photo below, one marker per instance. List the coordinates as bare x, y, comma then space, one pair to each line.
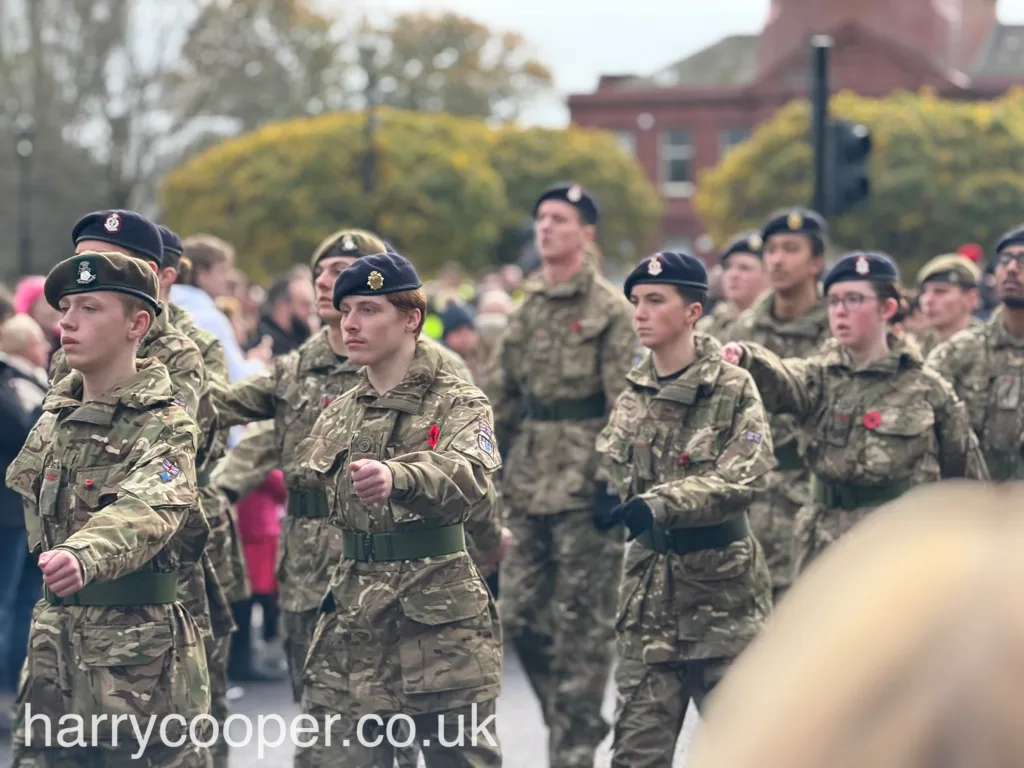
605, 504
637, 515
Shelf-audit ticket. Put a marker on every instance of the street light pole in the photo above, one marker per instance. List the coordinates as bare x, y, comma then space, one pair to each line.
821, 46
24, 132
366, 55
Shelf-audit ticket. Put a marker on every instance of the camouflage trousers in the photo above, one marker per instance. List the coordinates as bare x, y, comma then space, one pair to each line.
217, 652
297, 632
155, 756
225, 545
346, 738
558, 593
772, 516
651, 705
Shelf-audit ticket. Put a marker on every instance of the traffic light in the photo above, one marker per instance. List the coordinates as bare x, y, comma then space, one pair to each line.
849, 150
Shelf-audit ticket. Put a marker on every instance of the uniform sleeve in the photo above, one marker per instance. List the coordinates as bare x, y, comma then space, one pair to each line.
185, 366
456, 474
502, 390
612, 446
786, 386
246, 466
959, 450
251, 399
215, 361
739, 472
619, 349
945, 359
153, 502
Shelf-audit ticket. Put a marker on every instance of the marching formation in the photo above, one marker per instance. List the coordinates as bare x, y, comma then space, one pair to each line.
648, 477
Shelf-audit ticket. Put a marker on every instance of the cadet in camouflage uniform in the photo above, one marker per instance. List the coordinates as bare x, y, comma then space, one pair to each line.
948, 293
985, 365
554, 376
228, 582
405, 457
686, 446
790, 320
878, 422
108, 480
742, 282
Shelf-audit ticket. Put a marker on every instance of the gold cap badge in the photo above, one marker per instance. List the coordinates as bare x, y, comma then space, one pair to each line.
795, 221
862, 267
375, 280
654, 266
575, 194
755, 243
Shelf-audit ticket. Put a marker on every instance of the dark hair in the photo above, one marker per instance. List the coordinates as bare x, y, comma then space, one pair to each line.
279, 291
889, 289
203, 252
693, 295
133, 304
817, 244
406, 301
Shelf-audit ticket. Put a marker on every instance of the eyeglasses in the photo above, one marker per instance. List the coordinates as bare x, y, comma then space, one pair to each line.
850, 301
1006, 258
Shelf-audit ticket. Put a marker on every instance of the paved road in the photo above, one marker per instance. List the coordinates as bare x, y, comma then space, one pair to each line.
520, 728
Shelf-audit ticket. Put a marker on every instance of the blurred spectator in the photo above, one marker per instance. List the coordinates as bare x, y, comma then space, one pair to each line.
232, 309
460, 336
250, 297
491, 321
285, 317
24, 352
210, 259
29, 300
511, 278
7, 310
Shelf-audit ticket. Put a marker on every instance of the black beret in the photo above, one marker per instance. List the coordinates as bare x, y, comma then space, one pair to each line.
92, 271
862, 265
455, 315
351, 243
748, 242
376, 275
170, 240
573, 194
126, 229
1013, 237
671, 268
800, 221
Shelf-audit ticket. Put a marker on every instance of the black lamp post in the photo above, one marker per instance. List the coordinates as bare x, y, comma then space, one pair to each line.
24, 132
367, 55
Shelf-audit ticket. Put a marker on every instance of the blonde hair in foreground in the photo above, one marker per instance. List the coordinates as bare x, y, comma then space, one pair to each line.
902, 647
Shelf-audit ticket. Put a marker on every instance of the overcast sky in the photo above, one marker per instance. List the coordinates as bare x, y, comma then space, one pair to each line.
581, 39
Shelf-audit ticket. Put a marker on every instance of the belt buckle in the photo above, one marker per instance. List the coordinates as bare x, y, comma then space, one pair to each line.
368, 547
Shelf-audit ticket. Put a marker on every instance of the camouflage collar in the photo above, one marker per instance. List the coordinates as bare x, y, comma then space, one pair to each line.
809, 325
149, 386
408, 395
697, 380
903, 354
998, 336
316, 354
577, 284
160, 324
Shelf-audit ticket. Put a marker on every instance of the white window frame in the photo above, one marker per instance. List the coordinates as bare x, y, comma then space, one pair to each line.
668, 153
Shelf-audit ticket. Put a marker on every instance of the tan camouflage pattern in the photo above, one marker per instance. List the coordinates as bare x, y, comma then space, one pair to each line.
774, 510
113, 481
651, 705
414, 636
719, 321
155, 756
696, 449
928, 340
985, 365
297, 632
923, 434
457, 725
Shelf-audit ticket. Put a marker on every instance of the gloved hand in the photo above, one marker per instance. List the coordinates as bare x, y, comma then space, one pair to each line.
637, 515
605, 502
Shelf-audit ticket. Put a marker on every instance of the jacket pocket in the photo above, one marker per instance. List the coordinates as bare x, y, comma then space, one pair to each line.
582, 351
447, 638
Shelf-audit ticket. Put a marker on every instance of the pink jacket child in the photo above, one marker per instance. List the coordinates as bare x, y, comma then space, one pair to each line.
259, 525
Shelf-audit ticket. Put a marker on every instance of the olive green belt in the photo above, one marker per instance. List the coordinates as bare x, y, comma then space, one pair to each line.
136, 588
851, 497
788, 457
403, 545
308, 502
684, 540
592, 407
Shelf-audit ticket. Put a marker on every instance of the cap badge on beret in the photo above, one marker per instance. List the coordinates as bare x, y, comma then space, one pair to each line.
862, 267
347, 243
575, 194
654, 266
113, 223
952, 277
375, 280
795, 221
755, 243
86, 272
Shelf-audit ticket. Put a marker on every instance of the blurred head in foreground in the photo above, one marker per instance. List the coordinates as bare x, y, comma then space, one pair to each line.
902, 647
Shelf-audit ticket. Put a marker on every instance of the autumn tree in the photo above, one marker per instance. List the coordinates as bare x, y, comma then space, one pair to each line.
942, 173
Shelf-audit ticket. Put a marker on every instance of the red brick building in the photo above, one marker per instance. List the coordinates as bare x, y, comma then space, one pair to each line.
682, 119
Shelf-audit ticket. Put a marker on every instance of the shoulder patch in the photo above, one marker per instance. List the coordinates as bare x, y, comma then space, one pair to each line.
170, 471
485, 438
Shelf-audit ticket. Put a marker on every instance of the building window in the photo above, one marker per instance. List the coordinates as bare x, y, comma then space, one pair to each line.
678, 243
677, 166
627, 140
730, 137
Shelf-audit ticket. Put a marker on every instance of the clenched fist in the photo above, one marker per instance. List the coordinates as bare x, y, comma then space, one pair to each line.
371, 480
62, 572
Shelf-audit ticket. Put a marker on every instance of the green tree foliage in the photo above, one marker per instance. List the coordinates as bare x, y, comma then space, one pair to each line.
942, 173
446, 188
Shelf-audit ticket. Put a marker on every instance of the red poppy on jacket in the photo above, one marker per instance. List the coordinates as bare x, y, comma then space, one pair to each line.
872, 419
435, 431
684, 460
576, 326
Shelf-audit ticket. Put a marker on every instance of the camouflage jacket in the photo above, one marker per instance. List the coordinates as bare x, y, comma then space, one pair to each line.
696, 448
929, 340
417, 635
568, 342
113, 481
893, 420
178, 353
985, 365
719, 321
